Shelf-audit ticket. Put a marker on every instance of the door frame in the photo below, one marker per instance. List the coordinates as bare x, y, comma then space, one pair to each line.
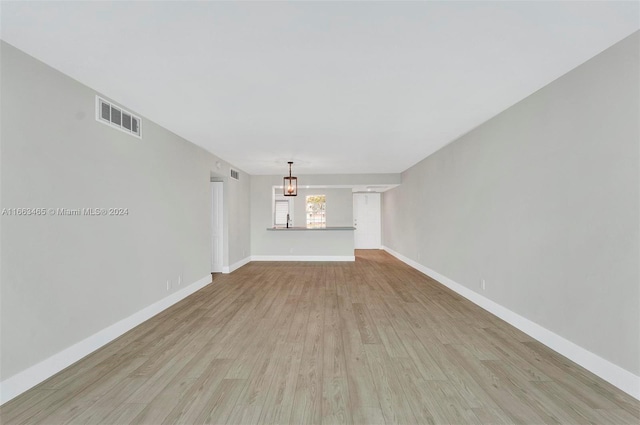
217, 225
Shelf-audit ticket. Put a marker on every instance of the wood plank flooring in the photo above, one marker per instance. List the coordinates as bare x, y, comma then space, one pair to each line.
370, 342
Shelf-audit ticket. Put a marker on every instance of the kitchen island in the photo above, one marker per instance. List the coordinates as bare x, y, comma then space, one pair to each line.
331, 243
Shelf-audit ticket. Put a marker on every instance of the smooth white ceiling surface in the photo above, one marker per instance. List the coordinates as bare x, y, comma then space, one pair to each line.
337, 87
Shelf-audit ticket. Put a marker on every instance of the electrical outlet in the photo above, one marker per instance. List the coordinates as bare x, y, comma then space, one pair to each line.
483, 284
168, 284
290, 250
179, 279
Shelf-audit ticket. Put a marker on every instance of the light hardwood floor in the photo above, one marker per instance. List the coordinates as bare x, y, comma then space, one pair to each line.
370, 342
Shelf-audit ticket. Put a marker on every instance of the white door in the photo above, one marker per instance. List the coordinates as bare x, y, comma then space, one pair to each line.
216, 227
366, 220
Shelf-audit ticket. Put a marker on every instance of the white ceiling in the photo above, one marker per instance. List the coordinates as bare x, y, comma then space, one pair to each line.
337, 87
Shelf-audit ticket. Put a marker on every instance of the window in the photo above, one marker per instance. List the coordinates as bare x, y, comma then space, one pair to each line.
281, 207
281, 211
316, 211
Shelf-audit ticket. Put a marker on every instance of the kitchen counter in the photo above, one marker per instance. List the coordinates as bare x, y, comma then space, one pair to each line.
331, 243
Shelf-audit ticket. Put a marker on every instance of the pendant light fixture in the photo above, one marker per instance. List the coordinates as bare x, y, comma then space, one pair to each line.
290, 186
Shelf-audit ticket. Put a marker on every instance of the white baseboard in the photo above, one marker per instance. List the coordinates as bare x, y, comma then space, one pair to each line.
247, 260
17, 384
236, 265
303, 258
617, 376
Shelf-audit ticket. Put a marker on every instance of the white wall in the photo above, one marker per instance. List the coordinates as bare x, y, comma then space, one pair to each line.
63, 279
339, 206
542, 201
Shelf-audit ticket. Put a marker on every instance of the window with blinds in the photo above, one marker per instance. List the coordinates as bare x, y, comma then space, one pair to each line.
281, 211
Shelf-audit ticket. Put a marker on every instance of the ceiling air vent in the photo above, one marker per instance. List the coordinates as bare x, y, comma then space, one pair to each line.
235, 174
113, 115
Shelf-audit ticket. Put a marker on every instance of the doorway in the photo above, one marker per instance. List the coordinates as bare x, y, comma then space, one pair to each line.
217, 229
366, 220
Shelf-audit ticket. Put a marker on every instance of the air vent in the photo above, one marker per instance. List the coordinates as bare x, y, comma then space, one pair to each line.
235, 174
113, 115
